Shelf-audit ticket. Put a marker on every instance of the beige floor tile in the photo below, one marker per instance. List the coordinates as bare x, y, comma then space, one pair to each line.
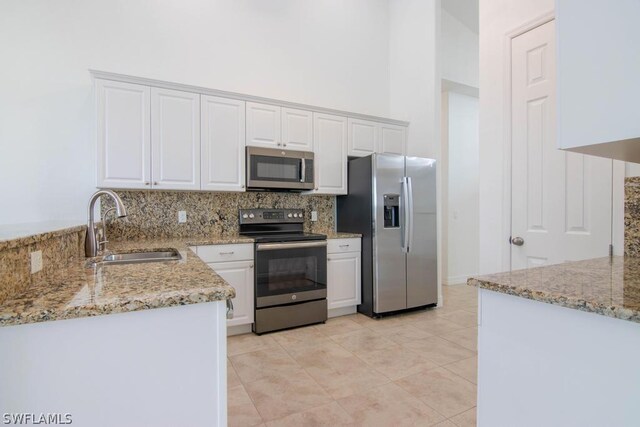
232, 377
363, 341
278, 397
299, 336
240, 410
403, 333
465, 419
435, 325
389, 405
256, 365
466, 368
442, 390
467, 338
330, 414
344, 376
462, 318
339, 325
445, 423
439, 350
387, 322
318, 353
397, 362
246, 343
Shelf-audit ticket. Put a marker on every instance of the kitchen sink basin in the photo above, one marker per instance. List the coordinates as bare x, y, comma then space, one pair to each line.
138, 257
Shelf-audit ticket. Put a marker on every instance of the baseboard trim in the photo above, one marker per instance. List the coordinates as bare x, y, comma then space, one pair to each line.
342, 311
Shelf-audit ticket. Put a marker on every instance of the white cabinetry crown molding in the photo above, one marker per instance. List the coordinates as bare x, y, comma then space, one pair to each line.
239, 96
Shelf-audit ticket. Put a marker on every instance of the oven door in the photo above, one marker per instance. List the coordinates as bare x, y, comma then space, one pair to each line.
290, 272
279, 169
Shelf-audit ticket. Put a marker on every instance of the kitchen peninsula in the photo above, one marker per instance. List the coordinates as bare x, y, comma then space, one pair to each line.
571, 334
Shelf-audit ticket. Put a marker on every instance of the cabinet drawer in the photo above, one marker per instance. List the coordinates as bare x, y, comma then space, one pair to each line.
223, 253
335, 246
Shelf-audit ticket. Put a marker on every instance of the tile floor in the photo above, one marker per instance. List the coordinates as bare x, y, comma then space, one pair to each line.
416, 369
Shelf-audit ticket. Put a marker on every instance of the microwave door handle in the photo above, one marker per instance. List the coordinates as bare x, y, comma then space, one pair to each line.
303, 170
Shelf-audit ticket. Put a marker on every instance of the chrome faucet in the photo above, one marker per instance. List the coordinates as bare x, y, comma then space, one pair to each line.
90, 242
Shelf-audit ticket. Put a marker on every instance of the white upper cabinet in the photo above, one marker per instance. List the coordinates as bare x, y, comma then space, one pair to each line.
330, 144
367, 137
124, 135
363, 137
597, 77
297, 129
392, 139
175, 140
223, 144
263, 125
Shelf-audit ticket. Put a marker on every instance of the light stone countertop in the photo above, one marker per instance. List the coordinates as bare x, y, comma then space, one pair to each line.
608, 286
75, 290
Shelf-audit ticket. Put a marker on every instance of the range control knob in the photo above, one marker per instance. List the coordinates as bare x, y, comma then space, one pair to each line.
252, 216
300, 214
289, 215
245, 216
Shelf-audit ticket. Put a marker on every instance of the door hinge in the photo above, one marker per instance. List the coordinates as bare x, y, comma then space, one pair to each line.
610, 250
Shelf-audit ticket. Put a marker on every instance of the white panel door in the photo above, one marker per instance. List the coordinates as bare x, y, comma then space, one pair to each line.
561, 201
392, 139
363, 137
175, 140
238, 274
263, 125
223, 144
124, 136
330, 142
343, 280
297, 129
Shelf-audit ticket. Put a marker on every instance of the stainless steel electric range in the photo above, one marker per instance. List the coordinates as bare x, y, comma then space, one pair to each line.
291, 269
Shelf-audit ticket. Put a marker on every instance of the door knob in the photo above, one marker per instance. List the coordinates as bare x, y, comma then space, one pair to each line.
518, 241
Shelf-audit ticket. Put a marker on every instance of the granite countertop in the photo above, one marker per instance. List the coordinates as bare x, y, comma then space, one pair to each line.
342, 235
608, 286
76, 290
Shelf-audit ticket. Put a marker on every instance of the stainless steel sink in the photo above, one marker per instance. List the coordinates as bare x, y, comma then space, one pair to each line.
138, 257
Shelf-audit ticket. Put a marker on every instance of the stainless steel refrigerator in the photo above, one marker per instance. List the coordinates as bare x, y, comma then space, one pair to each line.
392, 203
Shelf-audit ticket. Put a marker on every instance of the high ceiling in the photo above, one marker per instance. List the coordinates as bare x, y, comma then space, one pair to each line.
466, 11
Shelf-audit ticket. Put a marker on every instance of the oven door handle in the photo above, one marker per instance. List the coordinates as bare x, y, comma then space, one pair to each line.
293, 245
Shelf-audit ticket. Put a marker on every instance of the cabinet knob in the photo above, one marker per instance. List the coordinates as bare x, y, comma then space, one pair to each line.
251, 266
147, 183
155, 182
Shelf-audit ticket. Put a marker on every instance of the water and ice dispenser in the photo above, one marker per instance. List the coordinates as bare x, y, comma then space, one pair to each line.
391, 210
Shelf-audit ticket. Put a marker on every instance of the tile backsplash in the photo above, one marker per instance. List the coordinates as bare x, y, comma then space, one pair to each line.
632, 217
58, 248
155, 213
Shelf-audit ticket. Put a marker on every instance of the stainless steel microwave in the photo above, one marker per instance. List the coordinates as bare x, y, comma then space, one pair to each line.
276, 169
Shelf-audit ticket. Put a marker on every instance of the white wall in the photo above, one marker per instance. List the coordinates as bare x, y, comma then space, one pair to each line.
460, 51
497, 19
462, 229
329, 53
414, 72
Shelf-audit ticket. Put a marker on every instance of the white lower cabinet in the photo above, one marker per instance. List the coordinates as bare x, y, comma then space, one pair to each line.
343, 273
234, 263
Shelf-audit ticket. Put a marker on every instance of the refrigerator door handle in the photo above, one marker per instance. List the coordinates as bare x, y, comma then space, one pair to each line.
410, 213
405, 219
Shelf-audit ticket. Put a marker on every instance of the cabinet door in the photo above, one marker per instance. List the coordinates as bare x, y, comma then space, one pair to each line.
175, 139
223, 138
330, 143
363, 137
124, 140
392, 139
263, 125
297, 129
343, 280
238, 274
